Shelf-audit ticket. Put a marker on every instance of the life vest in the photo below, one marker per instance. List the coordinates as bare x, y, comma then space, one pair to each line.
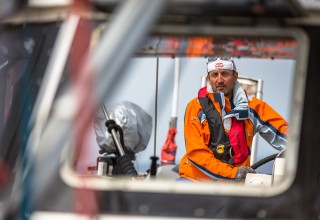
228, 147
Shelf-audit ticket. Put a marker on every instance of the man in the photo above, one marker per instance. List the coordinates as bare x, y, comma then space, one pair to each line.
220, 124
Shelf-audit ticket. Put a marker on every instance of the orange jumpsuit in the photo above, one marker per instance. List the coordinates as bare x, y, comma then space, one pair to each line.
199, 162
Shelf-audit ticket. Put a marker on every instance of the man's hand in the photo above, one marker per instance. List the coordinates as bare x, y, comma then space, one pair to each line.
242, 172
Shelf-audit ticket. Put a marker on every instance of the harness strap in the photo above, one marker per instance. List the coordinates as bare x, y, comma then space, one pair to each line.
229, 148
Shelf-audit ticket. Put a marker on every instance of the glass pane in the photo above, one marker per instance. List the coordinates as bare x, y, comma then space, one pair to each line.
265, 64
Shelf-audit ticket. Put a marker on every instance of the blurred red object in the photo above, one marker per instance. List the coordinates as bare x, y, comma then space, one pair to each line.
169, 149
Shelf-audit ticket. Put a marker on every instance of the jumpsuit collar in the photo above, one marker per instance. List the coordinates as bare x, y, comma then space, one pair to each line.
239, 103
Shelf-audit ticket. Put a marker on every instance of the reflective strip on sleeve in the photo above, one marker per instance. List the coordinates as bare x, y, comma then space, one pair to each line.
209, 173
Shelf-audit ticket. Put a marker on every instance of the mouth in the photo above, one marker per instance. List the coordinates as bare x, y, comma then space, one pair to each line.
220, 87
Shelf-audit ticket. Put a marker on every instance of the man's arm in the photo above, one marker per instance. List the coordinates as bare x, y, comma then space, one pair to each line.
269, 124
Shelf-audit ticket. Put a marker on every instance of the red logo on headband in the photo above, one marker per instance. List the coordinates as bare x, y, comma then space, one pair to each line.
219, 65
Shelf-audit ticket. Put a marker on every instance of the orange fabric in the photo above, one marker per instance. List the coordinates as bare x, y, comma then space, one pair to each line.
198, 46
197, 137
269, 115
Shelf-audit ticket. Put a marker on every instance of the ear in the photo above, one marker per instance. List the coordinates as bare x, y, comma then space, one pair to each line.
235, 75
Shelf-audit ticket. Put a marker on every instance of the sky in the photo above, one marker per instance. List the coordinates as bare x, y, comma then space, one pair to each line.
138, 85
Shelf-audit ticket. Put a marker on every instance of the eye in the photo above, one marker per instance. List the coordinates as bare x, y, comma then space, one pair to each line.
225, 74
214, 75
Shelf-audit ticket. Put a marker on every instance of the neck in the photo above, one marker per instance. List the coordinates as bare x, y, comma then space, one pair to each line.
229, 95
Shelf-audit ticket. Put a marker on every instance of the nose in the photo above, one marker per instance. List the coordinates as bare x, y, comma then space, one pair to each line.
220, 78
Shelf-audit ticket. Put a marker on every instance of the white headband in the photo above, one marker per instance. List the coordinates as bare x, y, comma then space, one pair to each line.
219, 64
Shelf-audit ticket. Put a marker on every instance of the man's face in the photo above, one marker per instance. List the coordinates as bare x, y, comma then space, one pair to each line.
223, 81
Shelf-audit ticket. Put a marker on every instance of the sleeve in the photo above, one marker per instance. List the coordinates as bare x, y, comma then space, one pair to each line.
269, 124
196, 149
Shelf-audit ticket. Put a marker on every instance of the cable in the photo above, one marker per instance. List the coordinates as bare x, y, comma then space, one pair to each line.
263, 161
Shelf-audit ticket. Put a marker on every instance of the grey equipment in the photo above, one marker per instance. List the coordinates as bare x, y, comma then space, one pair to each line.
120, 134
